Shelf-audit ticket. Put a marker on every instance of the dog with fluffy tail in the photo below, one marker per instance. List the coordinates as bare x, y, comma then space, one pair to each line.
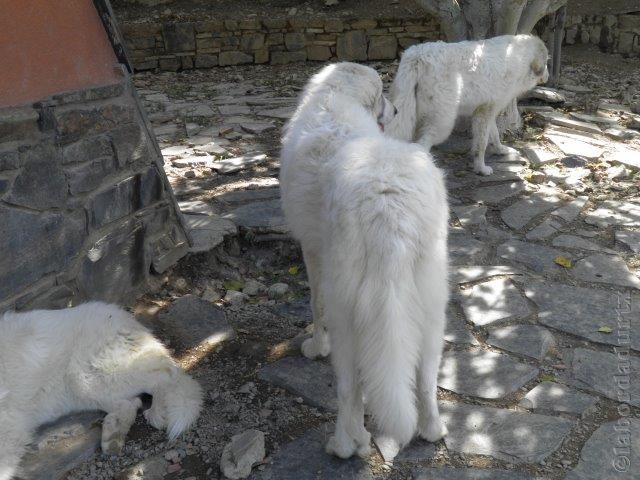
438, 82
371, 215
94, 356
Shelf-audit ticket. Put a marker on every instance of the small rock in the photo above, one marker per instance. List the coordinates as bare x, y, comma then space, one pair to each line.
277, 290
189, 174
210, 294
174, 468
234, 297
172, 456
180, 284
537, 178
253, 288
243, 452
617, 171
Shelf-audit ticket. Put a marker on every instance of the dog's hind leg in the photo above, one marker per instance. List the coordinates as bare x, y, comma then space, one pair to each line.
117, 423
495, 145
480, 126
318, 345
350, 435
14, 436
430, 426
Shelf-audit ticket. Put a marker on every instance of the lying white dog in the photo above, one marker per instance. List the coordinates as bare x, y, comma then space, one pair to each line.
371, 215
91, 357
437, 82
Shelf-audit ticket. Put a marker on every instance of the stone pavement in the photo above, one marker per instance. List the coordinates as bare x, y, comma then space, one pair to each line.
539, 377
544, 289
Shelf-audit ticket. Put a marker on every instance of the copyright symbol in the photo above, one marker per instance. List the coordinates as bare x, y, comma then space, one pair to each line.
621, 463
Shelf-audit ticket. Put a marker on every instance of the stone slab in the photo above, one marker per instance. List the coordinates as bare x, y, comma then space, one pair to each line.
283, 113
539, 156
483, 374
629, 238
196, 207
571, 210
572, 241
545, 229
612, 453
494, 194
456, 330
557, 398
528, 340
523, 211
470, 214
602, 268
602, 372
235, 164
191, 321
613, 212
305, 459
417, 451
581, 311
546, 94
265, 215
571, 146
310, 379
494, 301
514, 437
627, 157
60, 446
538, 258
464, 250
207, 231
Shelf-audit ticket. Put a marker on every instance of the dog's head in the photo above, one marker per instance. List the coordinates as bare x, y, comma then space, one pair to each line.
539, 57
347, 81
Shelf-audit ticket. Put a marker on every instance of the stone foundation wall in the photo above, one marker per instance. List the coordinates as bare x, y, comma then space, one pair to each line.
205, 44
612, 33
85, 212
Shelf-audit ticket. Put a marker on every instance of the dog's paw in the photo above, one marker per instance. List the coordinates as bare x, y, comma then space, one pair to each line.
504, 150
113, 436
311, 350
342, 449
483, 170
433, 431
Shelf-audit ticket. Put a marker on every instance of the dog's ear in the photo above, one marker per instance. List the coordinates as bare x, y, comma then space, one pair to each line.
539, 62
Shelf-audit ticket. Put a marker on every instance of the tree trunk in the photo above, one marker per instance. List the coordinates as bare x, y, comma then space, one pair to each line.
478, 19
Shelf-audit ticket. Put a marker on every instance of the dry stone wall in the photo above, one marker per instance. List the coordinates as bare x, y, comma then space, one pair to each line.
85, 211
612, 33
184, 45
210, 43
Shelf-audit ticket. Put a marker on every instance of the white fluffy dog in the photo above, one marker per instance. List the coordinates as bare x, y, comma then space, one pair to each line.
371, 215
91, 357
437, 82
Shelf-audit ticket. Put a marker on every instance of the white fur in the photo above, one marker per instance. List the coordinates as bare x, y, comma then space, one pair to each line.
437, 82
371, 215
92, 357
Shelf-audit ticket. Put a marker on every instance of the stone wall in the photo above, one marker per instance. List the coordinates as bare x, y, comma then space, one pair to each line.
612, 33
205, 44
85, 211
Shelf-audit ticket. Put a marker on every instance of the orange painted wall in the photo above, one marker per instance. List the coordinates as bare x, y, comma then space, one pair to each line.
49, 47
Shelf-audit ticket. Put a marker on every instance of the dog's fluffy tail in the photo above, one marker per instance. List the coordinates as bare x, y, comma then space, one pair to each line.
182, 400
386, 317
385, 323
403, 96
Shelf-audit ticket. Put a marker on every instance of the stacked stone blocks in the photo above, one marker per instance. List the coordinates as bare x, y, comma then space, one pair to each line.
206, 44
84, 209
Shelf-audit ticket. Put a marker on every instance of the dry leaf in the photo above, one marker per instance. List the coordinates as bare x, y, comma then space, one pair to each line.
563, 261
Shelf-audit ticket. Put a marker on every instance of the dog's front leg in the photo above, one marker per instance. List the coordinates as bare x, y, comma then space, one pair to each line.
495, 145
117, 423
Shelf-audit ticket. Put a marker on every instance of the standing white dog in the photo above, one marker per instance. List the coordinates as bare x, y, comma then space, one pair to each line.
437, 82
91, 357
371, 215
